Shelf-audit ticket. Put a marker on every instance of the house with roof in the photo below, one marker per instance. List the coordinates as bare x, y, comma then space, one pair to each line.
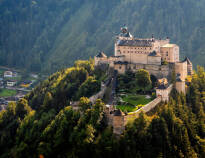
26, 84
11, 83
8, 74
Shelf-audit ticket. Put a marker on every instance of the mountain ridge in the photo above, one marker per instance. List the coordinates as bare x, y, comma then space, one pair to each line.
52, 35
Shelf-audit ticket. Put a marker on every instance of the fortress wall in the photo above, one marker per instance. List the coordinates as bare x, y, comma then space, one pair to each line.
135, 58
139, 66
111, 60
189, 69
152, 67
154, 60
144, 109
99, 95
164, 93
99, 61
165, 67
139, 58
180, 87
108, 116
159, 74
118, 124
160, 71
181, 68
121, 68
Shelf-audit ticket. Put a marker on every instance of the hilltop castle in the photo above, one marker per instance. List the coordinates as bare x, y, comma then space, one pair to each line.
157, 56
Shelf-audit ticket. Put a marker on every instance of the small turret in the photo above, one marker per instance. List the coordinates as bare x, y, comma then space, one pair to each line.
101, 55
125, 33
118, 122
189, 66
100, 58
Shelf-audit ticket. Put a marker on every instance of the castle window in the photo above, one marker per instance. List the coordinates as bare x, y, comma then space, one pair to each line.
123, 51
127, 51
120, 67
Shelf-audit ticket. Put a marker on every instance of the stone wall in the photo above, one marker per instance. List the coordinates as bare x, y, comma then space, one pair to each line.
144, 109
154, 60
164, 93
99, 95
180, 87
92, 99
119, 122
99, 61
159, 71
181, 68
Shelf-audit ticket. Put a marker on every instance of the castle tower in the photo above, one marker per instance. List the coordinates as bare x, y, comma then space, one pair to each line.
180, 86
124, 35
189, 66
181, 70
100, 58
162, 89
170, 52
118, 122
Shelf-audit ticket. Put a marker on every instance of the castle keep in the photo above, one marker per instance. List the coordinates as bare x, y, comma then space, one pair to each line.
157, 56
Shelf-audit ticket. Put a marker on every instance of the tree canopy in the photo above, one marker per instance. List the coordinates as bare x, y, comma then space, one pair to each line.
43, 124
143, 78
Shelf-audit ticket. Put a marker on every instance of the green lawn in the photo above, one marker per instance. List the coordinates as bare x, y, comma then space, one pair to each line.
127, 108
13, 78
7, 92
136, 99
133, 102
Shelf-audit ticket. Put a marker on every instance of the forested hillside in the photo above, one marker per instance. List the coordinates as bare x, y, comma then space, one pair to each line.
52, 34
44, 125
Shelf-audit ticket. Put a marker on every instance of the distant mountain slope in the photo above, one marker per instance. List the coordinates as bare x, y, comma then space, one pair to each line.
48, 35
